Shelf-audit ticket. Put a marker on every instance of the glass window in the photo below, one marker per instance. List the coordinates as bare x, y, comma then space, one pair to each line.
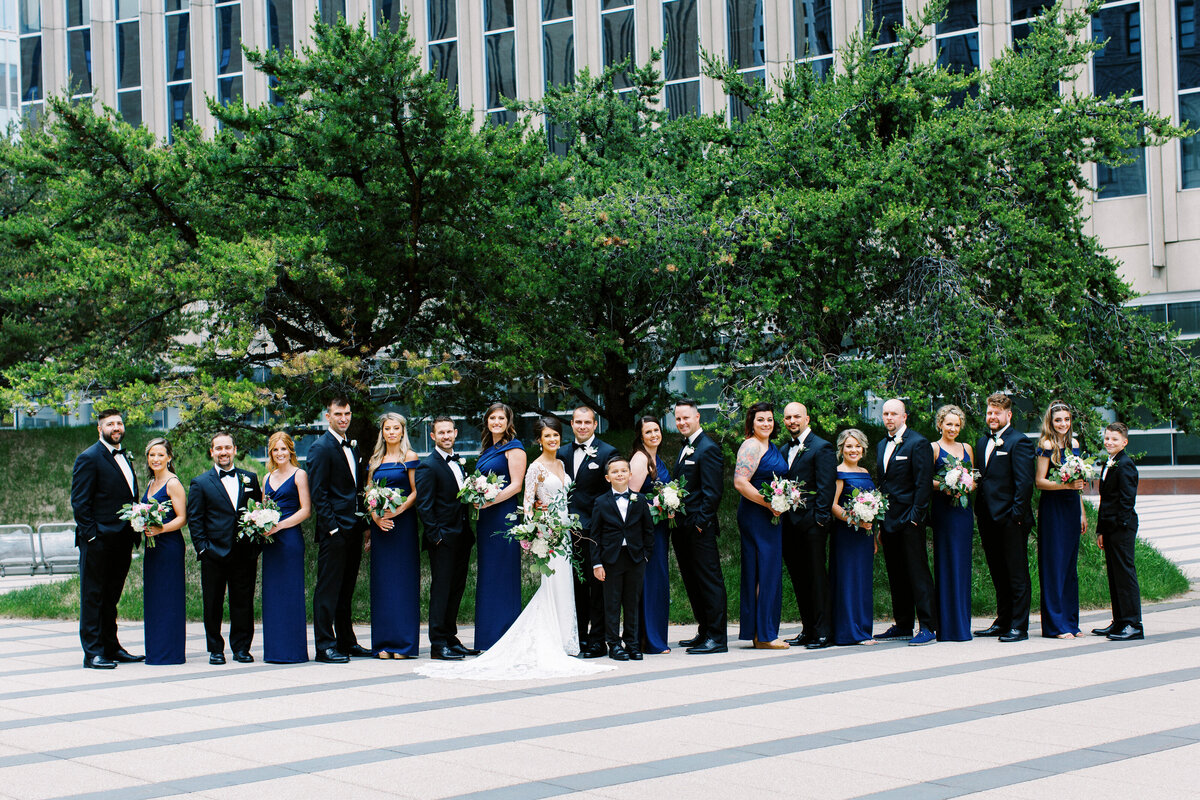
442, 16
79, 13
681, 57
961, 15
1028, 9
229, 39
280, 29
180, 103
617, 37
443, 62
813, 20
443, 20
31, 16
129, 61
558, 53
1156, 312
129, 106
128, 9
1154, 447
31, 69
739, 111
387, 15
959, 53
557, 9
497, 14
330, 10
883, 16
1116, 70
1189, 148
1187, 449
499, 58
1185, 316
229, 89
179, 66
745, 24
79, 62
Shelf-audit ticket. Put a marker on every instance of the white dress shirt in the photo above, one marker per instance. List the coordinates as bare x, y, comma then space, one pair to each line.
349, 454
123, 463
891, 446
795, 451
230, 484
991, 445
455, 467
579, 453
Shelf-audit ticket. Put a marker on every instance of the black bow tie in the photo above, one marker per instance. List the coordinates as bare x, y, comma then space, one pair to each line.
891, 438
795, 442
451, 458
622, 494
346, 444
225, 473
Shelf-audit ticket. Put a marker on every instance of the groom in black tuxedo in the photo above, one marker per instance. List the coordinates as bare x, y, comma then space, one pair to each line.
905, 466
584, 460
102, 481
1004, 511
216, 501
336, 478
812, 462
702, 465
448, 538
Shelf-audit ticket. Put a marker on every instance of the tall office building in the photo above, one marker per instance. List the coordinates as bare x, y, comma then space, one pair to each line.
155, 60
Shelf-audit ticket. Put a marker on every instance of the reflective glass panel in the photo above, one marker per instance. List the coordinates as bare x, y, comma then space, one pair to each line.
500, 61
279, 25
1118, 67
556, 9
1189, 114
960, 15
739, 111
79, 13
1185, 316
387, 15
229, 89
682, 56
618, 42
745, 22
331, 10
443, 62
127, 9
497, 14
129, 59
1028, 9
79, 61
31, 16
814, 28
179, 100
129, 106
884, 16
31, 69
179, 66
1188, 44
443, 19
558, 53
683, 98
229, 39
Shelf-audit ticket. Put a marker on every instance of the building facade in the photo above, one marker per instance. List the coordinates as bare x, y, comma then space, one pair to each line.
154, 62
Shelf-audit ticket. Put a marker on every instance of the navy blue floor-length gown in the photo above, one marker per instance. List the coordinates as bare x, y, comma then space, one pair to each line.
656, 588
498, 558
396, 573
284, 611
762, 557
162, 598
1059, 529
851, 557
953, 531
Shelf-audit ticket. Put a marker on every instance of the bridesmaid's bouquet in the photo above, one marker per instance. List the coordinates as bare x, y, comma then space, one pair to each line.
666, 501
957, 480
258, 519
1076, 468
546, 533
146, 515
783, 495
479, 489
865, 507
380, 499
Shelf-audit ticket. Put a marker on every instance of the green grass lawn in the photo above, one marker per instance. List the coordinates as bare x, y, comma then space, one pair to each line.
36, 489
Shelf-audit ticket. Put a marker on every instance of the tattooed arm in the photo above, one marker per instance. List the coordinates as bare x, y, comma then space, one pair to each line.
748, 456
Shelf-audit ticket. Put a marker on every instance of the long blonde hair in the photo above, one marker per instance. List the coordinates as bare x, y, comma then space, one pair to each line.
1050, 435
276, 438
381, 443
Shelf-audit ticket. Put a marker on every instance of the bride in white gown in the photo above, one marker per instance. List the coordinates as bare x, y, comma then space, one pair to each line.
543, 642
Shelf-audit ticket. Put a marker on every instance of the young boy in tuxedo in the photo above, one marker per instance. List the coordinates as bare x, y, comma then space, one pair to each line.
1116, 530
622, 532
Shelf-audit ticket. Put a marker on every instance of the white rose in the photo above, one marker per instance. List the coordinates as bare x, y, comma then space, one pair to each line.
540, 548
952, 478
670, 497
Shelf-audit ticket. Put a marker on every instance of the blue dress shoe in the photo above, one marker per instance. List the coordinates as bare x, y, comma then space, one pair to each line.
893, 634
923, 637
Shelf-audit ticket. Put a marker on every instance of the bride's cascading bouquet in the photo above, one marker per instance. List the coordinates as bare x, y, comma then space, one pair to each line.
478, 489
864, 508
545, 533
783, 495
146, 515
259, 518
1076, 468
957, 480
380, 499
666, 501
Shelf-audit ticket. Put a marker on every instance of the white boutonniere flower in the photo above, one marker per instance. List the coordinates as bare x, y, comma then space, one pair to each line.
1112, 462
246, 479
800, 448
589, 451
899, 440
687, 451
633, 495
354, 442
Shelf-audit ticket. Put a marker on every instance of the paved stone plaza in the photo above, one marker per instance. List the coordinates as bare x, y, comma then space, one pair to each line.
1045, 718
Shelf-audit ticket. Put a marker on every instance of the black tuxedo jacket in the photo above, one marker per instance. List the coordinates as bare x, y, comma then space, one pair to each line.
907, 482
816, 467
608, 529
590, 482
1006, 481
704, 472
212, 521
336, 492
1118, 494
445, 516
98, 490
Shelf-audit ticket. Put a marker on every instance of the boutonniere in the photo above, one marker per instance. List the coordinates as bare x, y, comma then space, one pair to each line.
687, 451
589, 451
633, 496
899, 440
354, 442
1112, 462
800, 448
246, 480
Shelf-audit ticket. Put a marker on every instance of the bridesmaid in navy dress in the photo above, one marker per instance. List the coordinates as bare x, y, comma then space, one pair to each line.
1061, 523
852, 549
284, 612
656, 590
498, 558
394, 547
759, 462
953, 531
162, 599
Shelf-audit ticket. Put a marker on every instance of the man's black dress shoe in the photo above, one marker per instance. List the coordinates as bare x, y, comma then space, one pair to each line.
332, 656
635, 655
1014, 635
618, 654
463, 650
1126, 634
216, 658
818, 643
692, 642
123, 656
706, 647
356, 651
446, 654
993, 630
800, 640
243, 657
593, 651
1105, 631
98, 662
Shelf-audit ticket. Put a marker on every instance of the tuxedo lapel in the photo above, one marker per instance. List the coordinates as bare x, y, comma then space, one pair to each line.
219, 487
107, 455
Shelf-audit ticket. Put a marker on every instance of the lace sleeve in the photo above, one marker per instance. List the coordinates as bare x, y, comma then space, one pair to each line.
531, 484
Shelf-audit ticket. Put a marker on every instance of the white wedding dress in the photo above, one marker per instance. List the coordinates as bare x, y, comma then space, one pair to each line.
543, 642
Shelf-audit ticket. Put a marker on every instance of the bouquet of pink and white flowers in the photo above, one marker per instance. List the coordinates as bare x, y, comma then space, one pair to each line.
546, 533
478, 489
259, 518
146, 515
957, 480
865, 507
1076, 468
381, 499
783, 495
666, 501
